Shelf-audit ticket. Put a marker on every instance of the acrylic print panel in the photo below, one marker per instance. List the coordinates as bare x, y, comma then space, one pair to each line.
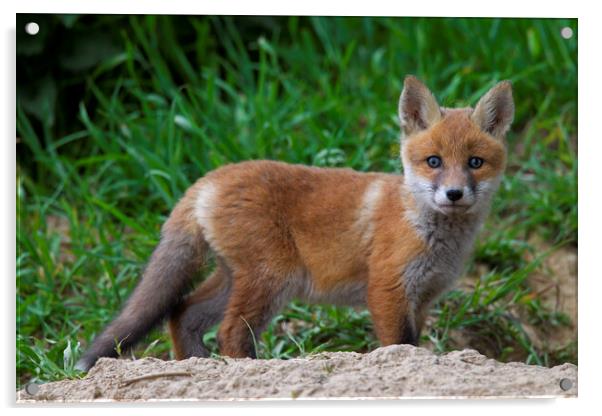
341, 283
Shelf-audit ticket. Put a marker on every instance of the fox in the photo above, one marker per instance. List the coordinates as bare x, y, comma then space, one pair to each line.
390, 242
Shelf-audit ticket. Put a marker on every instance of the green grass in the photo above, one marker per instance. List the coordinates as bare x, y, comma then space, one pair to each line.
100, 167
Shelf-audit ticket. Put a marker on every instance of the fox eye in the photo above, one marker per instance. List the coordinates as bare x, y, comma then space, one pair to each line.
433, 161
475, 162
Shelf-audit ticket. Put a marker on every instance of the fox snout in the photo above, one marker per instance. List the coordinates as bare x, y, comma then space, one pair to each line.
454, 194
454, 197
453, 186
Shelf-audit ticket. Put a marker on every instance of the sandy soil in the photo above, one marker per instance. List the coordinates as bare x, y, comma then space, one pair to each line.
390, 372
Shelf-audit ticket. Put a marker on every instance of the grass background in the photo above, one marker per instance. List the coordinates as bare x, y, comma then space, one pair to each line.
118, 115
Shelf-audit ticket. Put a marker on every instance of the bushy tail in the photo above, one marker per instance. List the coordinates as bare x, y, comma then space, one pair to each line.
166, 279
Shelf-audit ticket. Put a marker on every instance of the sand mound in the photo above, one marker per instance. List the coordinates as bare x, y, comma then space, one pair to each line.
390, 372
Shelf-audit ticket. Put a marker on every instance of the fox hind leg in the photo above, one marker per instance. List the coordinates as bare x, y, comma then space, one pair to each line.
199, 312
253, 303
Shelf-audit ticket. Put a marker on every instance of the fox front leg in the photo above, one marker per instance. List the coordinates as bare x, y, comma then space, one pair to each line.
391, 313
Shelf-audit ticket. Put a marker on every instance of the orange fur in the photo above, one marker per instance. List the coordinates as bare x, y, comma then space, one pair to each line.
396, 242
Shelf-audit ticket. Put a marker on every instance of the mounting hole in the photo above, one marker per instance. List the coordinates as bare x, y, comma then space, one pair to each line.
566, 384
566, 32
32, 388
32, 28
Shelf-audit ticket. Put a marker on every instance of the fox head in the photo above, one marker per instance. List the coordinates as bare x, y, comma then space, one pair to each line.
453, 159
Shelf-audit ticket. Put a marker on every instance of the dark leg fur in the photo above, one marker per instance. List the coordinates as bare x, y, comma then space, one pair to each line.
410, 334
199, 312
174, 263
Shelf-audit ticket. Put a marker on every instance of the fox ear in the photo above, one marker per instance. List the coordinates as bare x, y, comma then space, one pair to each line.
495, 110
418, 108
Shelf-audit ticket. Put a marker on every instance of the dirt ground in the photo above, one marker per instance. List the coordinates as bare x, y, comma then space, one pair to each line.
554, 283
396, 371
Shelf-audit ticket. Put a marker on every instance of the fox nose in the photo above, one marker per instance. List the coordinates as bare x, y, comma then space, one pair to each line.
454, 194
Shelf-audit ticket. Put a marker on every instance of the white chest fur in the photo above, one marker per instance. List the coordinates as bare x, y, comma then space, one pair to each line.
449, 241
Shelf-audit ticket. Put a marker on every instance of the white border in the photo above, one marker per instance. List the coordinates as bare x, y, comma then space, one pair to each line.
467, 8
590, 152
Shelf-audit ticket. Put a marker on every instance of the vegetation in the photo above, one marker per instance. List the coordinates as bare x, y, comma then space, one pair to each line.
118, 115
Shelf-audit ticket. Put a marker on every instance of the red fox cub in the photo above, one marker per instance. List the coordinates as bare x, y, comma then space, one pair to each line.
280, 231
